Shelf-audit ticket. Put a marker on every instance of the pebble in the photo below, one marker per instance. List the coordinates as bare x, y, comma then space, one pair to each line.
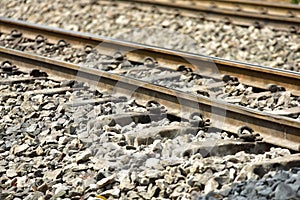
53, 175
211, 185
20, 148
39, 151
11, 173
284, 191
105, 181
152, 162
113, 193
21, 181
83, 156
31, 128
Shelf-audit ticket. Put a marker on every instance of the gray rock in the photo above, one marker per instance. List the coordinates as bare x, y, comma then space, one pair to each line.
49, 106
83, 156
80, 167
18, 149
39, 151
115, 192
59, 194
154, 174
105, 181
93, 187
53, 175
35, 196
152, 162
11, 173
284, 191
2, 169
133, 195
62, 140
211, 185
202, 178
21, 181
125, 183
179, 191
161, 184
60, 190
240, 198
265, 192
31, 128
225, 191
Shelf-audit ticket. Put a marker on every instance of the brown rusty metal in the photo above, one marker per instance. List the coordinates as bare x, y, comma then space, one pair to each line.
241, 12
252, 75
276, 130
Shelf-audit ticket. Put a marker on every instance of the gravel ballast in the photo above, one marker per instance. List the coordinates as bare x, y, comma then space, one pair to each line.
58, 146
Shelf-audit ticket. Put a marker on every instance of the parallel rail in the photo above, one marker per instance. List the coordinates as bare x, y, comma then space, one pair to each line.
276, 130
241, 12
248, 74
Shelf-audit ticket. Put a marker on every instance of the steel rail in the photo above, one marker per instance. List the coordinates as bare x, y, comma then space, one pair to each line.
283, 9
276, 130
278, 16
248, 74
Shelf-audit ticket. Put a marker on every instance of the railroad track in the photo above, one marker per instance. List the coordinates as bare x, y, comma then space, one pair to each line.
240, 12
247, 73
109, 129
248, 44
274, 127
